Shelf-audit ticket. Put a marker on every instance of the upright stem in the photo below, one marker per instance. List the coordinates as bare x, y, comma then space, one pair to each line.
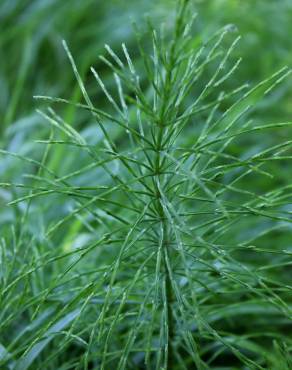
166, 258
158, 164
170, 360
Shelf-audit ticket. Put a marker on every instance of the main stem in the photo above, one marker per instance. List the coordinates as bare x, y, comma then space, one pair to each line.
158, 168
169, 299
170, 359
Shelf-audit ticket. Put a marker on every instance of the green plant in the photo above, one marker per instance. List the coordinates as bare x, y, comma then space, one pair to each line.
166, 260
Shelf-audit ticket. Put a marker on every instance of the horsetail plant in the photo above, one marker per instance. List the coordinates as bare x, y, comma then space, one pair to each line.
175, 270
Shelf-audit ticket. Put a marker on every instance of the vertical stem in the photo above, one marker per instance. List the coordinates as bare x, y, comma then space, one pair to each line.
158, 164
170, 353
170, 360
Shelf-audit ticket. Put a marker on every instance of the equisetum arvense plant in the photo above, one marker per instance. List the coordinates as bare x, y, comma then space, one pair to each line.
178, 231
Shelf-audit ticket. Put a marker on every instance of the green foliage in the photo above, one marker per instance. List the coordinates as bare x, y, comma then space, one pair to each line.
158, 236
